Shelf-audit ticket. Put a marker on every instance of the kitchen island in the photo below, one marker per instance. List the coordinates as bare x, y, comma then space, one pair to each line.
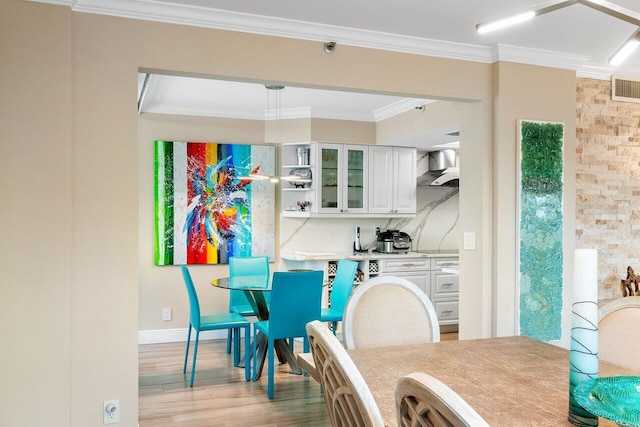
431, 271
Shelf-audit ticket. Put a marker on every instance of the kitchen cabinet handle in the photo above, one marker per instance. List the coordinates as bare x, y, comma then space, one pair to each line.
409, 265
447, 284
447, 312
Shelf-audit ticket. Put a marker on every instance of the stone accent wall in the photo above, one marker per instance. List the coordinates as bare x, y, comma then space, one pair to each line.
608, 182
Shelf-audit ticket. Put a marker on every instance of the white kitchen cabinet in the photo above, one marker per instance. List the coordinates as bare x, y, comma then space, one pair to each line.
349, 180
415, 270
342, 178
441, 288
392, 180
445, 290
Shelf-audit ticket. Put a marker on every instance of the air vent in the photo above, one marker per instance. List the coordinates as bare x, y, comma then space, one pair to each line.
625, 89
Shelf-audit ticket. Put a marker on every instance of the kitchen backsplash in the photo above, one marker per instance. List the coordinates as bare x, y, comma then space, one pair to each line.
435, 226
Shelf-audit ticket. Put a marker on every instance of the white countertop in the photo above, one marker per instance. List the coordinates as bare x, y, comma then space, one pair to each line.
327, 256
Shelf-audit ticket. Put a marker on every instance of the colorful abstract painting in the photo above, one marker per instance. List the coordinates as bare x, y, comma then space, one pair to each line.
540, 229
206, 210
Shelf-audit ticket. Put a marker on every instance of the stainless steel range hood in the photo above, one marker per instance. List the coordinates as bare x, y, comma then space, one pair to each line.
443, 169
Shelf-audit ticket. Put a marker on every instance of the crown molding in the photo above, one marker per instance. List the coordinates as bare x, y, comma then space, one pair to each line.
181, 14
399, 107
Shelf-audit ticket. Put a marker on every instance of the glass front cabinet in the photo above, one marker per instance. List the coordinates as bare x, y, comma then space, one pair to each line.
342, 178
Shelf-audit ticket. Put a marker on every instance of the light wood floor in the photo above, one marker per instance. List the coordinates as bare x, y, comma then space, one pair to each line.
220, 396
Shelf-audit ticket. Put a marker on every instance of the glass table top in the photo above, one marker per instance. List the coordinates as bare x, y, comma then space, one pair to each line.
254, 282
615, 398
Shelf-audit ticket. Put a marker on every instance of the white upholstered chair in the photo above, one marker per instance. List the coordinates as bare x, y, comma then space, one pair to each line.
424, 401
617, 340
386, 311
347, 396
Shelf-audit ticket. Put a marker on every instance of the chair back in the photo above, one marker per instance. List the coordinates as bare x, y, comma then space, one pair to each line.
616, 320
386, 311
422, 400
347, 396
247, 266
295, 301
194, 304
343, 283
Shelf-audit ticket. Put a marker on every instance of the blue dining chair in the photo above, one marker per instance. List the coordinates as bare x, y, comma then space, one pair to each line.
238, 302
210, 323
340, 292
295, 301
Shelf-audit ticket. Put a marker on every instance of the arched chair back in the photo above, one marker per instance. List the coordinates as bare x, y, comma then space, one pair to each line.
616, 342
347, 396
424, 401
386, 311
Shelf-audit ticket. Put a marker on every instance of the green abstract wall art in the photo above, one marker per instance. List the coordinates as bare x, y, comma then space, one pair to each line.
540, 229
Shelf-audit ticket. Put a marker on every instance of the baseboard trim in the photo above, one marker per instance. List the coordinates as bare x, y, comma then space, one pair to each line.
159, 336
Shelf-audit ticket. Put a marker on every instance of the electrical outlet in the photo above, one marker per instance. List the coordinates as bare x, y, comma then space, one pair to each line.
166, 313
111, 411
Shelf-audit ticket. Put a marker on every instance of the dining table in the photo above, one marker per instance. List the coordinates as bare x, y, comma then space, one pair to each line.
255, 287
509, 381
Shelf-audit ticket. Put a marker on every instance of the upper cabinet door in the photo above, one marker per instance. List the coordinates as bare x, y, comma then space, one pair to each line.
354, 195
392, 180
404, 186
329, 178
342, 178
380, 179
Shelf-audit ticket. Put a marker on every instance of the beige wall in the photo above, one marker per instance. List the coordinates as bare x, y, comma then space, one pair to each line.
343, 131
69, 84
36, 214
529, 93
434, 116
163, 286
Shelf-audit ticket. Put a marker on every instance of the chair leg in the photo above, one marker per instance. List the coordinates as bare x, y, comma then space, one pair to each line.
254, 351
247, 354
334, 327
186, 353
229, 338
236, 346
195, 354
270, 361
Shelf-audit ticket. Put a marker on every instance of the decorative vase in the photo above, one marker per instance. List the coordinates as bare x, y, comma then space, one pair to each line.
583, 356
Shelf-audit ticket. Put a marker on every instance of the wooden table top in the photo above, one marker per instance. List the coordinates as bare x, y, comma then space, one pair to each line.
509, 381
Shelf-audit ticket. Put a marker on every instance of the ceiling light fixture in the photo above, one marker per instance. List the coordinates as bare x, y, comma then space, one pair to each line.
603, 6
626, 50
505, 22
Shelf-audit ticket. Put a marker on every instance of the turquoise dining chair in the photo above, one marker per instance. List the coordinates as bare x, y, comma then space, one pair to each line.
238, 302
211, 323
340, 292
295, 301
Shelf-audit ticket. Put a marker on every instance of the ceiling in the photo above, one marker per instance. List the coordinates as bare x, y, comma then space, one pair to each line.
576, 37
242, 100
